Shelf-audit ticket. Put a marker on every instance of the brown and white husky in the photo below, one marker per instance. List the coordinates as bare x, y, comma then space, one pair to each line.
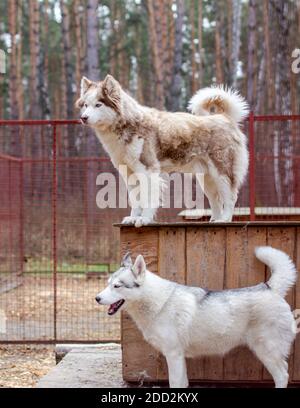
149, 141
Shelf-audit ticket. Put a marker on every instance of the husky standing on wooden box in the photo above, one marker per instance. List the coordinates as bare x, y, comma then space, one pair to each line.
182, 321
149, 141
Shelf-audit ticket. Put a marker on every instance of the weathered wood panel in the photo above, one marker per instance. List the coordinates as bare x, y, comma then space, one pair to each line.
171, 265
171, 254
205, 262
141, 241
139, 358
208, 256
296, 368
283, 239
242, 270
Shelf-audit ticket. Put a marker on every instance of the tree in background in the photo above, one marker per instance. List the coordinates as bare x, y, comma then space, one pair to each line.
160, 50
176, 70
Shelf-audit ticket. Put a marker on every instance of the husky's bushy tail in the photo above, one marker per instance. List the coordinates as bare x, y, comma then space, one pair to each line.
284, 274
219, 100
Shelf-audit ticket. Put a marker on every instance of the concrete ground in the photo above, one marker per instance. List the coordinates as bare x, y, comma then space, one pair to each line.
87, 367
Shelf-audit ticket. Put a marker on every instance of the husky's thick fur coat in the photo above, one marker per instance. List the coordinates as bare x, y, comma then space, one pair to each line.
148, 141
182, 321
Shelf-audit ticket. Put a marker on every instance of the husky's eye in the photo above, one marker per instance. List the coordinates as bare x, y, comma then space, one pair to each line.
85, 105
116, 286
98, 105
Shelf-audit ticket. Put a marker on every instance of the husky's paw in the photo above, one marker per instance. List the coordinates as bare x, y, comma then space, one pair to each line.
129, 220
141, 221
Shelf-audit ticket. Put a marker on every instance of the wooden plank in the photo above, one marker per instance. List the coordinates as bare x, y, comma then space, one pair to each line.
283, 239
242, 270
232, 224
137, 355
196, 256
171, 265
139, 359
171, 254
296, 363
141, 241
205, 266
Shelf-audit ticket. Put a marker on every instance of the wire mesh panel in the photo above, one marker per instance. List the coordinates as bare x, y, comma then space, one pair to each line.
27, 303
11, 246
277, 155
58, 246
87, 250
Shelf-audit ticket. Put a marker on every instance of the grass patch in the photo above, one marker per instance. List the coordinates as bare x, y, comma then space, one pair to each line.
45, 265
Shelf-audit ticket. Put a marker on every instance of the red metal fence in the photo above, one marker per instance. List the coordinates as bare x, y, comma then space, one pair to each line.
57, 247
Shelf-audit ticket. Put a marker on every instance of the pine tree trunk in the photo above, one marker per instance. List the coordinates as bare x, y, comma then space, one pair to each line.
19, 60
13, 82
229, 33
261, 87
283, 141
194, 81
79, 43
268, 56
15, 145
67, 58
42, 61
236, 40
159, 87
218, 50
114, 38
200, 43
252, 48
169, 55
34, 36
163, 12
93, 43
176, 84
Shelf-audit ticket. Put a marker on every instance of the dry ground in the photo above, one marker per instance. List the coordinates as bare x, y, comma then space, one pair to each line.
29, 313
29, 310
23, 366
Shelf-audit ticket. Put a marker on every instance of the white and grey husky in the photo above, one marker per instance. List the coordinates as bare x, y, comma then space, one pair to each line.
182, 321
149, 142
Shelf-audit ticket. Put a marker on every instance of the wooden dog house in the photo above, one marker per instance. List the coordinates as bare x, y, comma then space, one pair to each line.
214, 256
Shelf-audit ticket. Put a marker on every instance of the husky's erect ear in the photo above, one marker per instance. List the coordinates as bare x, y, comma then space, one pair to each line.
139, 267
84, 85
111, 85
126, 261
112, 93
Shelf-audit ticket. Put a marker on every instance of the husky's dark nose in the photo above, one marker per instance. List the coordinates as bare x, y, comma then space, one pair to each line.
84, 119
98, 299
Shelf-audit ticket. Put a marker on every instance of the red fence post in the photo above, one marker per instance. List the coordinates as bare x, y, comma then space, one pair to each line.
252, 166
54, 232
21, 223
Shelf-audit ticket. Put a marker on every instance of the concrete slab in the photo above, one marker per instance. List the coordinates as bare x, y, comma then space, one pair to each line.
87, 367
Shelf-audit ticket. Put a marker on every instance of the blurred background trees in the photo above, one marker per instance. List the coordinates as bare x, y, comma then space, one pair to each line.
161, 51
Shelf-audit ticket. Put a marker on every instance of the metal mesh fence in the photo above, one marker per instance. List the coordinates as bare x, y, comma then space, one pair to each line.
57, 247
